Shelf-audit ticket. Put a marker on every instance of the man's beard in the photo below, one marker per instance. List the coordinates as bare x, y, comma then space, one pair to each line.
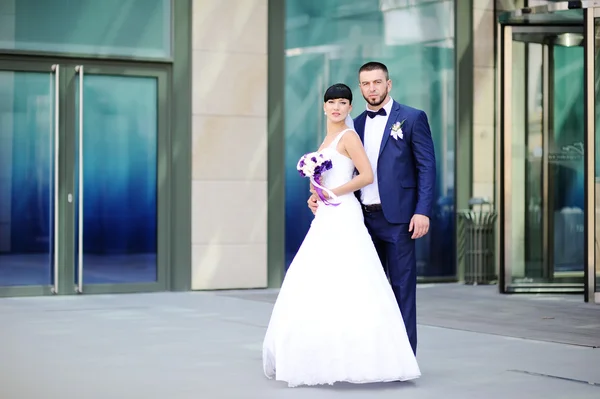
377, 102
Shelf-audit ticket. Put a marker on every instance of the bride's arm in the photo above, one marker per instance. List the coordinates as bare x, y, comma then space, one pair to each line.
355, 150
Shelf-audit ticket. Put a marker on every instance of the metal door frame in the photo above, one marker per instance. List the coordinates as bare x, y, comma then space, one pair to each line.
504, 109
590, 16
63, 267
73, 90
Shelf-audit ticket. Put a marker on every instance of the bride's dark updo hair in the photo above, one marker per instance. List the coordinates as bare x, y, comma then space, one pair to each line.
338, 90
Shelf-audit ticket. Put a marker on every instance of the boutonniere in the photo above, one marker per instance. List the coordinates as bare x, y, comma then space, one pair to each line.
397, 130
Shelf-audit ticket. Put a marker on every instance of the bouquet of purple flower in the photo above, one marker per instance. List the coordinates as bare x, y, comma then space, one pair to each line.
313, 165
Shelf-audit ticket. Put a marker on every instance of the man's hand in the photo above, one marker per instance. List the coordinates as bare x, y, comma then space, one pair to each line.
419, 226
312, 203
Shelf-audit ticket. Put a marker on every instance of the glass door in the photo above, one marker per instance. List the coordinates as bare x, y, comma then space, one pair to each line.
86, 181
543, 169
113, 159
29, 175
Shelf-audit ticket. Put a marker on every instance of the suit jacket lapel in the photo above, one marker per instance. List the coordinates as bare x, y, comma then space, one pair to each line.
388, 127
359, 126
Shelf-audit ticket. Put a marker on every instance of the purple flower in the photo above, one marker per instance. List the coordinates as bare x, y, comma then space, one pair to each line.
321, 164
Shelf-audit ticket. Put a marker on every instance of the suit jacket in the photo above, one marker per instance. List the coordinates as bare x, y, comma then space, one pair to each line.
406, 168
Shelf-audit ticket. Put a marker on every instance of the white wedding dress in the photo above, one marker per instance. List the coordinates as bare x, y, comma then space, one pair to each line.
336, 317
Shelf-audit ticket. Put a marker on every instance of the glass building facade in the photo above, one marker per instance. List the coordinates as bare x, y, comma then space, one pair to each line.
119, 172
326, 43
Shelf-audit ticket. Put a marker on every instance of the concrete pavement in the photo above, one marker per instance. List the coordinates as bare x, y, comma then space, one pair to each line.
207, 345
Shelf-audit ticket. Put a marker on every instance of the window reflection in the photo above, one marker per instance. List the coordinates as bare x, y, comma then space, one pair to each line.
26, 178
327, 42
132, 28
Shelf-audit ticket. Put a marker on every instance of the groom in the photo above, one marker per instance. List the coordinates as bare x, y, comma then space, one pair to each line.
398, 204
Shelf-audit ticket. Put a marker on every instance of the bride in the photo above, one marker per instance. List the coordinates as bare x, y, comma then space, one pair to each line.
336, 318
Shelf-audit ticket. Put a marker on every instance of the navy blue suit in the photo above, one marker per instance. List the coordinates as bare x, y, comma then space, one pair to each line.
406, 174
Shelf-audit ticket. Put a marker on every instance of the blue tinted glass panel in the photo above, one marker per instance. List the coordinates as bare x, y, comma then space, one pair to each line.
326, 43
140, 28
26, 178
567, 163
120, 130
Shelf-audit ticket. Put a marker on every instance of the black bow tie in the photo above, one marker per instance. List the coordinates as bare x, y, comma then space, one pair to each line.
373, 114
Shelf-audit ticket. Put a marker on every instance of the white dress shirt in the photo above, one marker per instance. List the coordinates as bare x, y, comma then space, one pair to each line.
374, 130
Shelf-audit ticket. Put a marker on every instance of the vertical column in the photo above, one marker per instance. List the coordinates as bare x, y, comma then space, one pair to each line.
464, 111
276, 142
229, 138
483, 98
517, 179
589, 156
180, 158
596, 194
485, 150
7, 38
505, 126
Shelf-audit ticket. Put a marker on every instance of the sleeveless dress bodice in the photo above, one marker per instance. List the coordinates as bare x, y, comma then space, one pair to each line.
342, 170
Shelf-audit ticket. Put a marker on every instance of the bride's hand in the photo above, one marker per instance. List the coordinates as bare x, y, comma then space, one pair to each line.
324, 193
313, 190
